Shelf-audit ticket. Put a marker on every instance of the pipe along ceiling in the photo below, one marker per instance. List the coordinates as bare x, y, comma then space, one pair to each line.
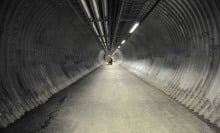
47, 45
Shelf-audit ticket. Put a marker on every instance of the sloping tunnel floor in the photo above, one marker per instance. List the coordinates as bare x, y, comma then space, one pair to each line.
110, 100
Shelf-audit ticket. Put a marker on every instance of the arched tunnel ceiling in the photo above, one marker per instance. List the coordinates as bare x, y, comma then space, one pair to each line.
111, 20
47, 45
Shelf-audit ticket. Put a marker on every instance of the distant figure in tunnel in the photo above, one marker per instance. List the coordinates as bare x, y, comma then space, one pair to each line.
109, 61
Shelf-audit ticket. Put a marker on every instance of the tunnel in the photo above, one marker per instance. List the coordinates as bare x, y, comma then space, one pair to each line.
165, 75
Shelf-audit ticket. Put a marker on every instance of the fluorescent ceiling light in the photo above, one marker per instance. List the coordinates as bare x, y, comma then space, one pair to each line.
134, 27
122, 42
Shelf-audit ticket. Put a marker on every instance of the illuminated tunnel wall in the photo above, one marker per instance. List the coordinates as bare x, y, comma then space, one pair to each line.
44, 48
176, 49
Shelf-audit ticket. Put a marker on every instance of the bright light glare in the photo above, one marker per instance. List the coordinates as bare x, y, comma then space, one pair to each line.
119, 46
134, 27
122, 42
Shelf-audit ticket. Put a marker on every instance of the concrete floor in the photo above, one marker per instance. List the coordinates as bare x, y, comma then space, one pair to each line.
110, 100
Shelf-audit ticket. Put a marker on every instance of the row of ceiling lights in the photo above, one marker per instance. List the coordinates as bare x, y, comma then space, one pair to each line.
101, 31
134, 27
136, 24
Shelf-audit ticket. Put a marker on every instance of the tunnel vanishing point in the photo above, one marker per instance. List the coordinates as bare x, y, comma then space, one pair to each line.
47, 45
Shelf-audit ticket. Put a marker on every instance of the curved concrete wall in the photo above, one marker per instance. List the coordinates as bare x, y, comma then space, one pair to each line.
176, 49
44, 47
